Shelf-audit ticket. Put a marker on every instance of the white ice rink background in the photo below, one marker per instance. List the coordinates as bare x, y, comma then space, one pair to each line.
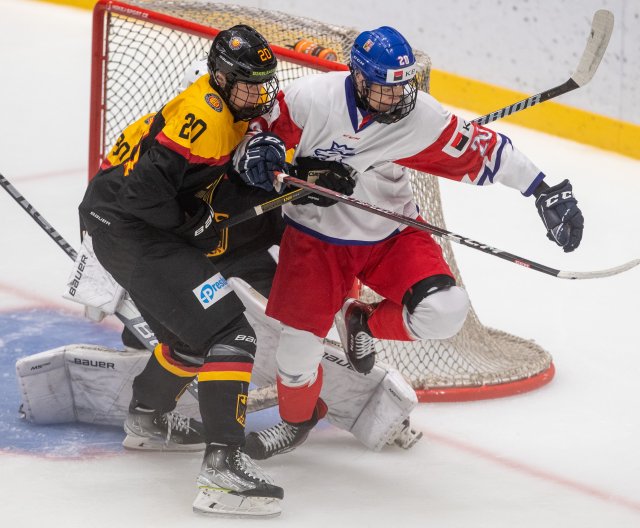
562, 456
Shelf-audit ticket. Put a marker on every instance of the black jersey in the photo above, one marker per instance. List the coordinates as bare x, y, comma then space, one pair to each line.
228, 195
185, 147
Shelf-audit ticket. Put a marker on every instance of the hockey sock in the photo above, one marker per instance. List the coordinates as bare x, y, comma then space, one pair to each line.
162, 381
223, 385
297, 404
387, 322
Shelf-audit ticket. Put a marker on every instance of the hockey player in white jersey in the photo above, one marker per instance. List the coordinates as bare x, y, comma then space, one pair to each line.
374, 120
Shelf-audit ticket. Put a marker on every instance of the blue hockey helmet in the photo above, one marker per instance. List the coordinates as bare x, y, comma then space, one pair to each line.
384, 58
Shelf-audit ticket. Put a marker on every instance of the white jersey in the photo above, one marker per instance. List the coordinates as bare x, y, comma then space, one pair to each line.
318, 116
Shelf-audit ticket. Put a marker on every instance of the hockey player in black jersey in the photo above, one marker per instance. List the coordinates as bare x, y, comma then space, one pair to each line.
152, 232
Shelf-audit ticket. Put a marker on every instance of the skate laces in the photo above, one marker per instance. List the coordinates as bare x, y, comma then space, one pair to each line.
278, 437
363, 345
244, 464
176, 422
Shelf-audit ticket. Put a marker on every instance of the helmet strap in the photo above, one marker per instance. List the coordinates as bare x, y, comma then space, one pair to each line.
361, 90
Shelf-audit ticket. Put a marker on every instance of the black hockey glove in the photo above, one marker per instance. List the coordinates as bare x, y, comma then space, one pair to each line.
560, 213
328, 174
200, 228
265, 153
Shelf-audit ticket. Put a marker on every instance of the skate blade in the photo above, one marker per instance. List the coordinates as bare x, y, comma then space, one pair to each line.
141, 443
212, 502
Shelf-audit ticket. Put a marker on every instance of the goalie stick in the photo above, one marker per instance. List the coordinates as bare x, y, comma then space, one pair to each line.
601, 29
127, 312
448, 235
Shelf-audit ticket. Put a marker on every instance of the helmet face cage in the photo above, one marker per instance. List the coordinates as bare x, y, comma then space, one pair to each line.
385, 62
248, 64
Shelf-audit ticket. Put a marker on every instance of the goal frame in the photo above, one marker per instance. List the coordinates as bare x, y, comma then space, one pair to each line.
98, 150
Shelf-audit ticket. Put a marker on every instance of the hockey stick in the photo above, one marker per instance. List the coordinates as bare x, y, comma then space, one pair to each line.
601, 28
127, 312
262, 208
448, 235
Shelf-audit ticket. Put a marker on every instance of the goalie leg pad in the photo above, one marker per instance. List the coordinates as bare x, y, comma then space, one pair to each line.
83, 383
384, 414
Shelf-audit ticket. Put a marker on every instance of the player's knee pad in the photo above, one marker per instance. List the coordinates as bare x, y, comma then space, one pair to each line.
298, 356
435, 308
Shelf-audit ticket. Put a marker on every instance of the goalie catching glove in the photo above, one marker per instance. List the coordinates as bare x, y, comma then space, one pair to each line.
560, 213
328, 174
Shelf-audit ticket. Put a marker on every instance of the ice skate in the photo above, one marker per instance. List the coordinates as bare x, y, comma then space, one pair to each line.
150, 430
282, 437
231, 484
356, 338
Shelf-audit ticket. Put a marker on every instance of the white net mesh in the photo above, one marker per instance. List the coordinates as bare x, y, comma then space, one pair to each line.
144, 63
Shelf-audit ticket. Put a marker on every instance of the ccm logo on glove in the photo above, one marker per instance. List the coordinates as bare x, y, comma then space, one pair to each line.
562, 196
560, 213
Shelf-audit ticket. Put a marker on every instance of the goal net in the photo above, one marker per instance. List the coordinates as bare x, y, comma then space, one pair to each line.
141, 49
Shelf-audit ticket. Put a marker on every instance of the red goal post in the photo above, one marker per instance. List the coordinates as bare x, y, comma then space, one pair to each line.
140, 51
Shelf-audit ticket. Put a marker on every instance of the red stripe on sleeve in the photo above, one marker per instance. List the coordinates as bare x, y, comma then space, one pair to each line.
435, 161
187, 154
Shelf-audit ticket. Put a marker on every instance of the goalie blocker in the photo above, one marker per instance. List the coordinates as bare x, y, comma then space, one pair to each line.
92, 384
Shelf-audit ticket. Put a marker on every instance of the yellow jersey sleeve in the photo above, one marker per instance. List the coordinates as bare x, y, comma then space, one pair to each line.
199, 126
127, 143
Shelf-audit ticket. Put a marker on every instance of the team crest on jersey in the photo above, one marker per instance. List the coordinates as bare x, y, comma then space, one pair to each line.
236, 43
241, 409
368, 45
214, 101
336, 152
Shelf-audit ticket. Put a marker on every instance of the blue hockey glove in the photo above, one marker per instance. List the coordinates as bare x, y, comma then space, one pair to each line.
265, 153
560, 214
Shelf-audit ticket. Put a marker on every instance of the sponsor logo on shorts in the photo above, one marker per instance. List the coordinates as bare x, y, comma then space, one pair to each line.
214, 101
212, 290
